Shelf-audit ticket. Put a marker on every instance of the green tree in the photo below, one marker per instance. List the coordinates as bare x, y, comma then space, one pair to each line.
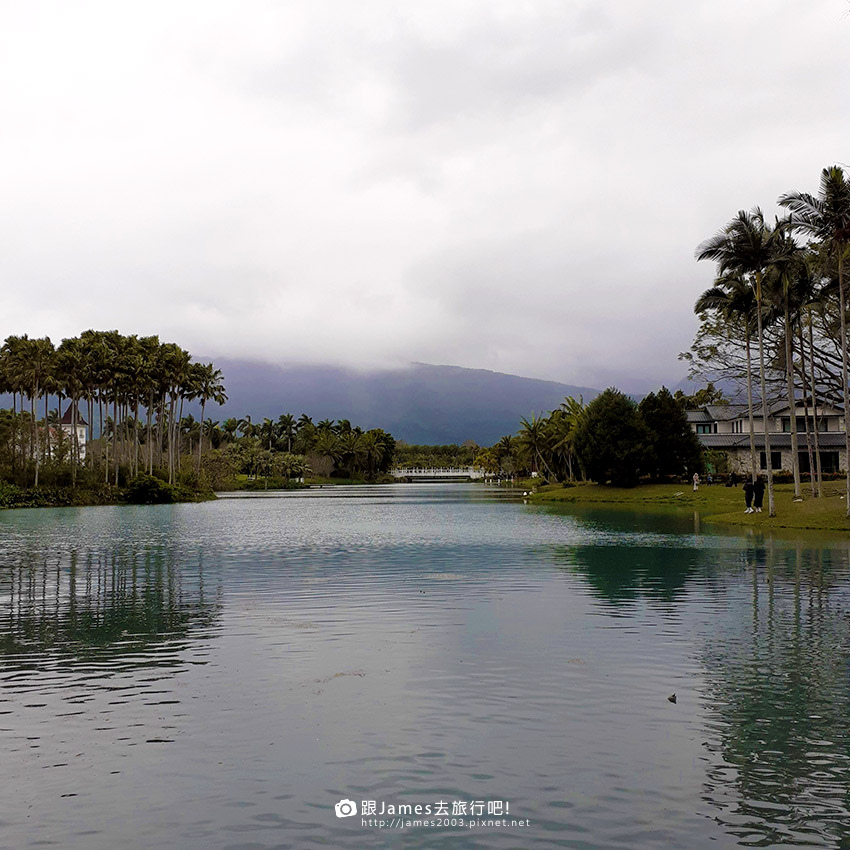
672, 447
611, 441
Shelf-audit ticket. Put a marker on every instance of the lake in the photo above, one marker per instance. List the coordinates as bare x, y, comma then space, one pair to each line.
222, 675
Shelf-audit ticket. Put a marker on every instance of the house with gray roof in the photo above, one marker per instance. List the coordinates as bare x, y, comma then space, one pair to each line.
726, 428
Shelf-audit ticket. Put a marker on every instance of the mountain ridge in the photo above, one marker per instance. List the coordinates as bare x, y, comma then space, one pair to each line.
420, 403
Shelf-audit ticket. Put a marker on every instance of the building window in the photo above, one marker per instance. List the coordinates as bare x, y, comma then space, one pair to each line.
801, 424
829, 461
704, 429
775, 460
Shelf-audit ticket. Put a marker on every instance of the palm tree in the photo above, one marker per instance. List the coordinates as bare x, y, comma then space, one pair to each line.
36, 367
561, 429
326, 445
286, 429
246, 426
534, 439
505, 453
826, 218
69, 362
210, 385
374, 448
351, 451
733, 298
229, 429
212, 432
268, 432
750, 247
789, 285
13, 365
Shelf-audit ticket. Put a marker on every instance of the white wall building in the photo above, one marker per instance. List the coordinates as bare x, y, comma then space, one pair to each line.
67, 425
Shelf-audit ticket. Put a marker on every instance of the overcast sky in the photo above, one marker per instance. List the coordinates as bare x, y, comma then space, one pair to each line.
517, 186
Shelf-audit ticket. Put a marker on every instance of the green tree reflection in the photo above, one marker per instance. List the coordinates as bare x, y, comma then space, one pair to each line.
76, 604
777, 698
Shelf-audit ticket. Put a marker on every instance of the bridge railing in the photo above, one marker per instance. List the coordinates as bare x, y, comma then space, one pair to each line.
438, 472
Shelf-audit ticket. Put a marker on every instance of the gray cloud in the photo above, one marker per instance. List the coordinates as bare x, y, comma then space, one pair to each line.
516, 186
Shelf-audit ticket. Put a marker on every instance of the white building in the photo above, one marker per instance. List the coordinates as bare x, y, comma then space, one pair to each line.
726, 427
67, 425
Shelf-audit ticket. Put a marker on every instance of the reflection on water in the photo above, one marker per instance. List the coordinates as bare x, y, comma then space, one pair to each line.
220, 675
81, 604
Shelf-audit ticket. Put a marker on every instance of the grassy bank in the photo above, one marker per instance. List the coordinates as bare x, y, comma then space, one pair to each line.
143, 490
716, 503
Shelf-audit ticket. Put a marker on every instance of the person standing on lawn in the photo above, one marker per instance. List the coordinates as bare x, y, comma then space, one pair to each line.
758, 494
748, 495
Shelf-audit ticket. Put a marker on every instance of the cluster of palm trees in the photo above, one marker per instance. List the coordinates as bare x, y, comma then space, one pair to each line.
133, 387
544, 444
788, 300
290, 447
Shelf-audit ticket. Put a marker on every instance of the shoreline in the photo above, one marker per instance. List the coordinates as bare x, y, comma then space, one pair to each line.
716, 504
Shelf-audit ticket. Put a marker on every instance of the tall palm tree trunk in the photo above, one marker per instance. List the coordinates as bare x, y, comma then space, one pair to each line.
150, 436
792, 404
753, 464
105, 441
136, 436
14, 434
90, 429
815, 426
201, 438
115, 436
171, 441
34, 432
159, 419
46, 426
771, 505
804, 382
845, 394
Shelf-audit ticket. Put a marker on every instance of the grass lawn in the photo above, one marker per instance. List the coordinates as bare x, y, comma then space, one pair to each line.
716, 503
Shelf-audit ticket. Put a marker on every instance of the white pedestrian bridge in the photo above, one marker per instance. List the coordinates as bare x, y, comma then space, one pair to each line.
441, 473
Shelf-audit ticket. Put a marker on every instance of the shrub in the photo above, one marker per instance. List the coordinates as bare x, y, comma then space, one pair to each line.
149, 490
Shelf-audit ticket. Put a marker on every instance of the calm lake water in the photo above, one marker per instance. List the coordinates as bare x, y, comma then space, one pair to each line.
220, 675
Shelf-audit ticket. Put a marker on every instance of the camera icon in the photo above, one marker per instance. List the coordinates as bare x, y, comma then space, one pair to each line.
345, 808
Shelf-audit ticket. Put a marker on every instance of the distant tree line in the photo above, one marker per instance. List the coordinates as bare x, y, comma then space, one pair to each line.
291, 447
610, 440
435, 456
127, 395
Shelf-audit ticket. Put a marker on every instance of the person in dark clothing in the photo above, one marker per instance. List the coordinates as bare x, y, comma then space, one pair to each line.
758, 494
748, 495
733, 480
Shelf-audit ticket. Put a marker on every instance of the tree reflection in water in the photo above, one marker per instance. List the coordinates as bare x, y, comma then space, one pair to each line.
121, 605
777, 699
770, 623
